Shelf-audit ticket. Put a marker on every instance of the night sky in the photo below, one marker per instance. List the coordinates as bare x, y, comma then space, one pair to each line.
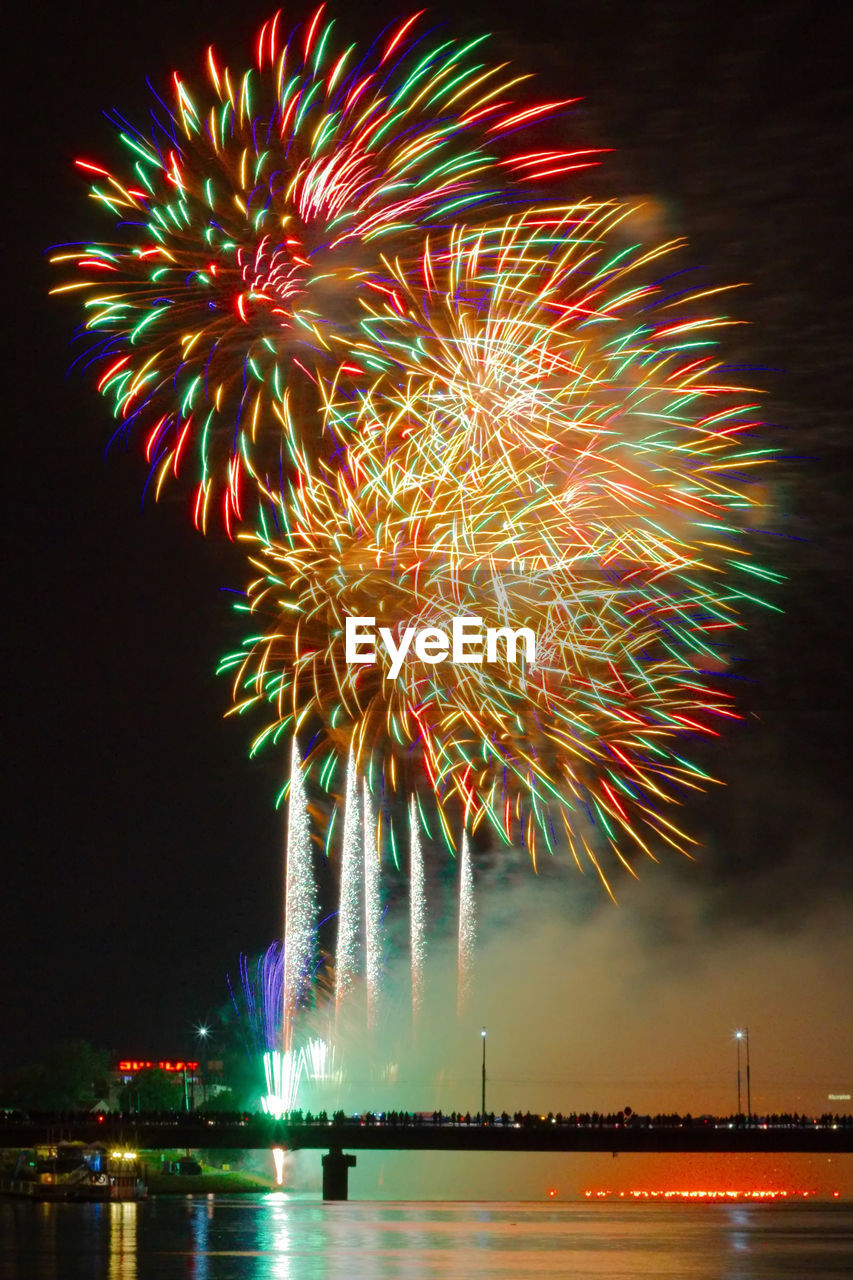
142, 851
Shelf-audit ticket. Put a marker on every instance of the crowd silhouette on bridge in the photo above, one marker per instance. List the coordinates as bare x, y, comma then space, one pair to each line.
626, 1119
585, 1119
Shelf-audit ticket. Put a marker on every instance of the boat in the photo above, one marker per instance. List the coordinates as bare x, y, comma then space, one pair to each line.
73, 1171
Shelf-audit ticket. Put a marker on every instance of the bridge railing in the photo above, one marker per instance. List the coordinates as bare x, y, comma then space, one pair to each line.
405, 1119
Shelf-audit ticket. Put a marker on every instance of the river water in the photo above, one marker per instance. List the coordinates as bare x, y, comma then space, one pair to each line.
277, 1237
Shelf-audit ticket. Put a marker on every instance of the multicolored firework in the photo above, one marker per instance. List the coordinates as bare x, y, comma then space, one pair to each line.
285, 1063
549, 445
254, 217
258, 999
417, 410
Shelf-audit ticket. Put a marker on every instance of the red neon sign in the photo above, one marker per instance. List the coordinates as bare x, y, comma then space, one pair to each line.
136, 1064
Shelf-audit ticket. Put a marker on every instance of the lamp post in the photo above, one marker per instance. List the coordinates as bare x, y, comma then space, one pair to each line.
738, 1038
203, 1033
483, 1096
748, 1081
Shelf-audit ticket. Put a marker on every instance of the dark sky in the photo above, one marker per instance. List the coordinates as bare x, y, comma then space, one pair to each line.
141, 848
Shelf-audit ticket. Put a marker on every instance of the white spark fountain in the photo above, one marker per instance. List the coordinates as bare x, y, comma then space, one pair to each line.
300, 904
286, 1072
346, 951
467, 924
318, 1059
372, 910
417, 908
283, 1073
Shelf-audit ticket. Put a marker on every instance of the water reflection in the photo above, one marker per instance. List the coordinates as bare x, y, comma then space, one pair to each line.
47, 1224
277, 1240
123, 1242
295, 1241
284, 1237
201, 1217
739, 1234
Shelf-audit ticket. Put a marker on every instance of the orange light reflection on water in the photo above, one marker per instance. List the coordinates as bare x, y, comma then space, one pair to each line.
754, 1193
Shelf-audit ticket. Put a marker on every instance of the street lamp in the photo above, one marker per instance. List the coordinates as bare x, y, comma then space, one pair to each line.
483, 1098
203, 1032
744, 1036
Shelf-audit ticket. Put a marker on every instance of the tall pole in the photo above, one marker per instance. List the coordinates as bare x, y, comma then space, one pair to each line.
748, 1081
738, 1036
483, 1097
203, 1033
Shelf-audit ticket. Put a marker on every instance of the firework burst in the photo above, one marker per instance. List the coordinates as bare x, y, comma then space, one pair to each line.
522, 422
254, 214
550, 445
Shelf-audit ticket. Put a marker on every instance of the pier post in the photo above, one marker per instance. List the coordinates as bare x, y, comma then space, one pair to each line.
335, 1166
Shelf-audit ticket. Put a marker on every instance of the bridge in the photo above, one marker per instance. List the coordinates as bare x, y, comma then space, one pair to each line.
435, 1132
